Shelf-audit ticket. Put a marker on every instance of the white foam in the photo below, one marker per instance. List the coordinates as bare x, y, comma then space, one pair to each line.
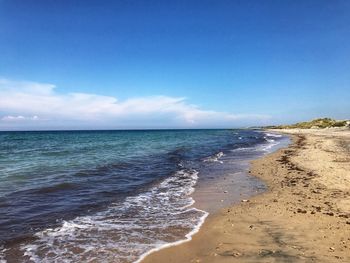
264, 147
267, 148
2, 254
273, 135
214, 158
188, 238
127, 231
241, 149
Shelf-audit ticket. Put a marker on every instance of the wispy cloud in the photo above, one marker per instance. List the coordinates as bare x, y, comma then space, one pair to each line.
39, 102
19, 118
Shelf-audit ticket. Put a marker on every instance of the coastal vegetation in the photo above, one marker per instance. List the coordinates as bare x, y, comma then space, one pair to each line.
319, 123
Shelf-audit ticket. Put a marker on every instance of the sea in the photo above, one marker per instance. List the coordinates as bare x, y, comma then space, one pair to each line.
112, 196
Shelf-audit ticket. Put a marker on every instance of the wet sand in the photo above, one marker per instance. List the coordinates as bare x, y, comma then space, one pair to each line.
303, 217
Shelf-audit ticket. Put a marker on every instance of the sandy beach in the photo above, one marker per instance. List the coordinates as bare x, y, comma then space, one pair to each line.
304, 216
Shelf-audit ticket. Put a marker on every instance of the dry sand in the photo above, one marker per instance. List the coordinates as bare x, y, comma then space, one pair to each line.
303, 217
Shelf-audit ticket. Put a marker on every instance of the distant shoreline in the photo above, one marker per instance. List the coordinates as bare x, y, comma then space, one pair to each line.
304, 216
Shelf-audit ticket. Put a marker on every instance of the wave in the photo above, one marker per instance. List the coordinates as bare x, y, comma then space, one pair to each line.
188, 238
272, 139
273, 135
214, 158
2, 254
127, 231
268, 142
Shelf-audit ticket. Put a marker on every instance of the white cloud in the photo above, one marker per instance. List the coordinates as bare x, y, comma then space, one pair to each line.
19, 118
12, 118
27, 100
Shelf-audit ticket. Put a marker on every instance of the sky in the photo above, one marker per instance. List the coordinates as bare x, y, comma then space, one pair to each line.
129, 64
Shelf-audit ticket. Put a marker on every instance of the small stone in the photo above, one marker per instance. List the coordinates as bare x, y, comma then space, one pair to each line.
230, 253
330, 213
345, 216
266, 252
332, 249
225, 192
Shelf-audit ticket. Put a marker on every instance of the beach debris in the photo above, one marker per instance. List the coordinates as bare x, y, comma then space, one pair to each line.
225, 192
318, 208
266, 252
329, 213
302, 211
332, 249
344, 216
245, 200
230, 253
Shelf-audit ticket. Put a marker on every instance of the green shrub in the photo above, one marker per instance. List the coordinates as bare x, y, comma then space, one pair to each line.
316, 123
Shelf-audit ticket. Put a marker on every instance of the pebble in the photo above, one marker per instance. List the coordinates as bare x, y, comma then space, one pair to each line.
301, 211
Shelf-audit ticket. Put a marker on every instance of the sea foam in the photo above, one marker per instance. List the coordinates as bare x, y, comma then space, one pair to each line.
126, 232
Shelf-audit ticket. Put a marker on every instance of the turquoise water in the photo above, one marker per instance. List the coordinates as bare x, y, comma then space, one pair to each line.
108, 196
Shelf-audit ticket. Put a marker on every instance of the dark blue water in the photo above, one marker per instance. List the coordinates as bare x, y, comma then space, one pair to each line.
105, 196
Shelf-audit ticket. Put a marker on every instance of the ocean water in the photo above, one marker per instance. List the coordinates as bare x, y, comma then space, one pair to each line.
110, 196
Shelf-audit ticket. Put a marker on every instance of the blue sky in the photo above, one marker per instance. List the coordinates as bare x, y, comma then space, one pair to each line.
172, 64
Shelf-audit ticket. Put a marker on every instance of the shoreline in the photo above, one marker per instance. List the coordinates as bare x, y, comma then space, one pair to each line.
211, 197
304, 215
